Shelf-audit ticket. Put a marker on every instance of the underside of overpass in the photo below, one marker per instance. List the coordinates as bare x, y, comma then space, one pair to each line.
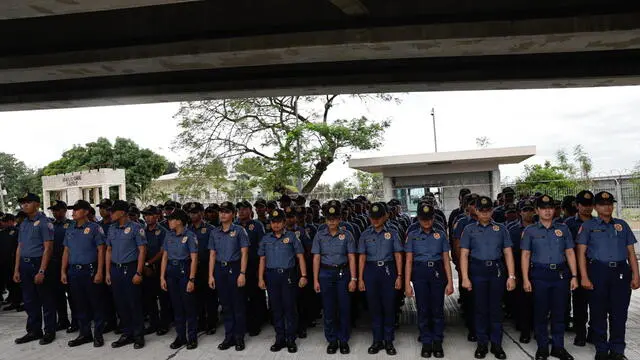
66, 53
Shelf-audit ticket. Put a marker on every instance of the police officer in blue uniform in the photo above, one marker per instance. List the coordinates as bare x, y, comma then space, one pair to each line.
584, 204
83, 270
178, 277
485, 248
523, 301
104, 207
9, 245
159, 318
278, 275
229, 255
125, 258
549, 270
35, 248
428, 266
207, 297
60, 225
334, 276
609, 268
256, 297
380, 272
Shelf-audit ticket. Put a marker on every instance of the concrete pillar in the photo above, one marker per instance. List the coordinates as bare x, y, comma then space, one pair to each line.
495, 183
85, 194
96, 195
123, 191
46, 201
73, 195
387, 188
105, 192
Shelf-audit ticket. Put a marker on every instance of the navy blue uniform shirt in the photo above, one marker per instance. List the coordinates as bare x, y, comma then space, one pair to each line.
203, 232
606, 241
124, 241
32, 235
255, 231
83, 241
227, 244
280, 252
427, 246
180, 246
333, 250
547, 246
379, 246
155, 240
485, 242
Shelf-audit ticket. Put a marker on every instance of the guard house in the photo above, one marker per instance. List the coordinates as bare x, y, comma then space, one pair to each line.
91, 185
409, 177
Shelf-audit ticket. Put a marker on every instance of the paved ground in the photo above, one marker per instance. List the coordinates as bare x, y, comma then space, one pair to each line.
456, 345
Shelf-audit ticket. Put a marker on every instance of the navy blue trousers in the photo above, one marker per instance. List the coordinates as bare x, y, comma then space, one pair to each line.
610, 298
128, 299
489, 283
88, 298
233, 300
282, 286
429, 283
39, 301
336, 300
185, 311
381, 298
550, 294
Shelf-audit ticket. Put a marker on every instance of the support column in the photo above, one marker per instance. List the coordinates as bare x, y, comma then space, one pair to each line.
495, 183
85, 194
96, 195
123, 191
387, 188
105, 192
73, 195
46, 201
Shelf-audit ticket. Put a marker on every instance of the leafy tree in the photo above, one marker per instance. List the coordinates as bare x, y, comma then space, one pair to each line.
583, 161
289, 137
141, 165
197, 182
17, 178
171, 168
368, 184
547, 178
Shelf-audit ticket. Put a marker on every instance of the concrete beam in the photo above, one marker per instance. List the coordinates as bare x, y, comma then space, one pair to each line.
351, 7
17, 9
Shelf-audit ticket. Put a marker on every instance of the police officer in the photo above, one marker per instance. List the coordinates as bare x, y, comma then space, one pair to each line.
277, 274
609, 269
457, 211
334, 276
178, 276
256, 298
105, 213
229, 254
584, 203
83, 269
380, 272
483, 245
104, 208
33, 256
523, 301
125, 258
60, 224
211, 215
9, 243
548, 269
428, 266
207, 297
159, 318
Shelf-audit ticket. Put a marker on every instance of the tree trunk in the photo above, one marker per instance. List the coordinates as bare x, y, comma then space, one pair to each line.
321, 167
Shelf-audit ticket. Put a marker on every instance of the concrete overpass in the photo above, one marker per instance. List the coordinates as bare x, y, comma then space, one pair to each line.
66, 53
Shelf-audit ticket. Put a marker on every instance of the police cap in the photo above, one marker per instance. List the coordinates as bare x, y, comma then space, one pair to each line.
604, 198
80, 205
378, 210
544, 202
585, 198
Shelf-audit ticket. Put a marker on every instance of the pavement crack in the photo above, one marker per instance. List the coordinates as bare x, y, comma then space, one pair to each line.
518, 345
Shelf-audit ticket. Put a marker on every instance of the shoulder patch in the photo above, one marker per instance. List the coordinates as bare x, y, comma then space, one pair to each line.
157, 232
618, 227
251, 227
50, 226
184, 239
341, 236
142, 233
558, 232
436, 236
127, 230
204, 230
387, 235
285, 240
36, 223
66, 226
87, 230
496, 228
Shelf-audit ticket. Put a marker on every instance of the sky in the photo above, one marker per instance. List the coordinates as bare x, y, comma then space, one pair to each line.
606, 121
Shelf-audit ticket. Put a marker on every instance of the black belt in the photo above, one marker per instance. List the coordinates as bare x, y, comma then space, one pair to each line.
487, 263
428, 263
611, 264
279, 270
83, 266
125, 265
227, 263
334, 267
31, 259
178, 262
379, 263
550, 266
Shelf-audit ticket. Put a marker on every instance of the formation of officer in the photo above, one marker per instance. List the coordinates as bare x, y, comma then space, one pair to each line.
539, 259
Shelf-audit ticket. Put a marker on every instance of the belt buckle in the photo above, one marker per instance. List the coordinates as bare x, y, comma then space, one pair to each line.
280, 271
553, 266
175, 262
224, 263
26, 259
488, 263
430, 263
613, 264
78, 267
380, 263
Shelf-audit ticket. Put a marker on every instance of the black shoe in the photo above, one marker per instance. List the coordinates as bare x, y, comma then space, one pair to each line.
375, 347
211, 331
497, 351
193, 344
72, 328
63, 325
427, 350
177, 343
525, 338
602, 356
332, 348
150, 330
162, 331
277, 346
344, 348
438, 352
561, 353
10, 307
580, 341
80, 340
253, 333
389, 348
240, 345
542, 354
614, 356
28, 338
226, 344
138, 343
481, 351
47, 338
302, 333
122, 341
20, 308
292, 347
98, 341
472, 337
